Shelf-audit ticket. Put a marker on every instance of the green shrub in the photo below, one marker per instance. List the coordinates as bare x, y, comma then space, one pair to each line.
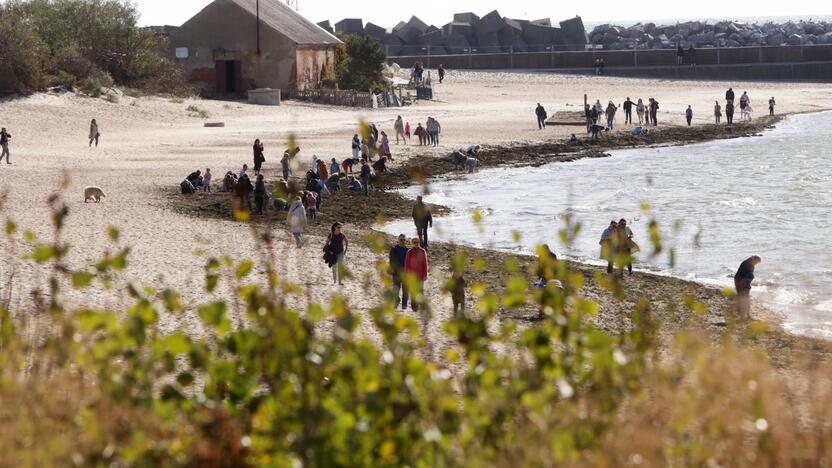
359, 64
112, 98
22, 55
197, 112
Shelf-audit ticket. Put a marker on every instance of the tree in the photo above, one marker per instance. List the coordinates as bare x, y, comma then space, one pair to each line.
360, 64
21, 53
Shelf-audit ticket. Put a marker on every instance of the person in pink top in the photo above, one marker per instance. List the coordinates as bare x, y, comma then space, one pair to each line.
416, 263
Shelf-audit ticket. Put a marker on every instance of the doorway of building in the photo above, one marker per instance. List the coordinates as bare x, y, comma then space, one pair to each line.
228, 76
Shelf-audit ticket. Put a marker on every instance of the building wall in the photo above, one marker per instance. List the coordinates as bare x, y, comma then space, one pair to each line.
225, 32
310, 62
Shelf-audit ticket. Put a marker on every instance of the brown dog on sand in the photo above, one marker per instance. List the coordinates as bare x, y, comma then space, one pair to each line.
94, 193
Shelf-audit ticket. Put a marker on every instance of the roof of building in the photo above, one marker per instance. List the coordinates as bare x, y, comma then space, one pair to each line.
283, 19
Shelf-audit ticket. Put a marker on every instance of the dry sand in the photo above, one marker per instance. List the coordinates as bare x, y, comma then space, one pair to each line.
149, 144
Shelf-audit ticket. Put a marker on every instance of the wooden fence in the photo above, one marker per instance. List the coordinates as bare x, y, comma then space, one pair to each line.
334, 97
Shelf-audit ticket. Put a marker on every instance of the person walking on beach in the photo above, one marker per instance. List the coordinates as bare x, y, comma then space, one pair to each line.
297, 220
365, 177
771, 104
259, 194
688, 115
397, 257
423, 219
456, 286
258, 156
421, 134
729, 95
385, 146
611, 109
398, 126
625, 244
745, 101
607, 248
416, 263
94, 133
729, 112
206, 181
4, 143
434, 131
540, 112
628, 111
284, 165
335, 250
356, 146
441, 72
639, 111
588, 116
742, 282
654, 112
407, 130
717, 112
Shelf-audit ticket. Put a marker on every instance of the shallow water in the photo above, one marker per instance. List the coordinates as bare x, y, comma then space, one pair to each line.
767, 195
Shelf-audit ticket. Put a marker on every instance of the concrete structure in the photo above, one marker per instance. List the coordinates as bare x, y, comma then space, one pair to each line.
224, 50
264, 97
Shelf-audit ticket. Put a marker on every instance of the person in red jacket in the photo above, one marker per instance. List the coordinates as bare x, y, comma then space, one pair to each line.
416, 263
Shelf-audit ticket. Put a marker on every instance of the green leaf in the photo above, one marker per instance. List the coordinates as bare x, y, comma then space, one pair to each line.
244, 269
43, 253
11, 227
211, 282
81, 279
113, 233
177, 344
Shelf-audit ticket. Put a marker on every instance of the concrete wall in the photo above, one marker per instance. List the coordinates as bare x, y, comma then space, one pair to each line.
762, 63
225, 32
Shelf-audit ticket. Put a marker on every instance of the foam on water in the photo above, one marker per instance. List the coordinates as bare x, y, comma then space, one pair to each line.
716, 203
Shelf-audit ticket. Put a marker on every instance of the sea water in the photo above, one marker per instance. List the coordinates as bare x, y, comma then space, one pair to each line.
716, 204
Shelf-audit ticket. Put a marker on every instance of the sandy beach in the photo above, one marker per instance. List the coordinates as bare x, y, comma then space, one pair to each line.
149, 144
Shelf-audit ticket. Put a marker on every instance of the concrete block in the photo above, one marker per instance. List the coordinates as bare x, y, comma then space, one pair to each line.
408, 34
488, 42
417, 24
350, 26
574, 32
458, 29
326, 26
467, 17
435, 38
490, 23
542, 22
376, 32
264, 97
458, 44
534, 34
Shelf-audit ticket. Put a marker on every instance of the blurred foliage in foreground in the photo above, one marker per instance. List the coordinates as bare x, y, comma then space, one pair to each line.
269, 385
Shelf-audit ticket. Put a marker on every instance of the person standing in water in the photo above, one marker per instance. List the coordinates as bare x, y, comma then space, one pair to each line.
607, 250
94, 133
742, 283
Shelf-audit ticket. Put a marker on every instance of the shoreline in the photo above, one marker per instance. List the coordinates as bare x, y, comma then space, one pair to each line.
387, 204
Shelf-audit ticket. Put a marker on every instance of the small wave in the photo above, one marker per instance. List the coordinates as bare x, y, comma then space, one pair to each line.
738, 202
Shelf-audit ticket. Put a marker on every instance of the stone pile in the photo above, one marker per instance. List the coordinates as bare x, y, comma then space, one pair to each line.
469, 33
702, 34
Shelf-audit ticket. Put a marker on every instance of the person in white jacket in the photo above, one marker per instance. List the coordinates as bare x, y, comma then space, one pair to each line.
297, 220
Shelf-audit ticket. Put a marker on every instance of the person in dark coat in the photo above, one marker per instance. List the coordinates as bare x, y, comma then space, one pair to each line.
396, 258
441, 72
729, 112
729, 95
423, 219
366, 172
540, 112
628, 111
243, 191
259, 159
742, 283
259, 194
